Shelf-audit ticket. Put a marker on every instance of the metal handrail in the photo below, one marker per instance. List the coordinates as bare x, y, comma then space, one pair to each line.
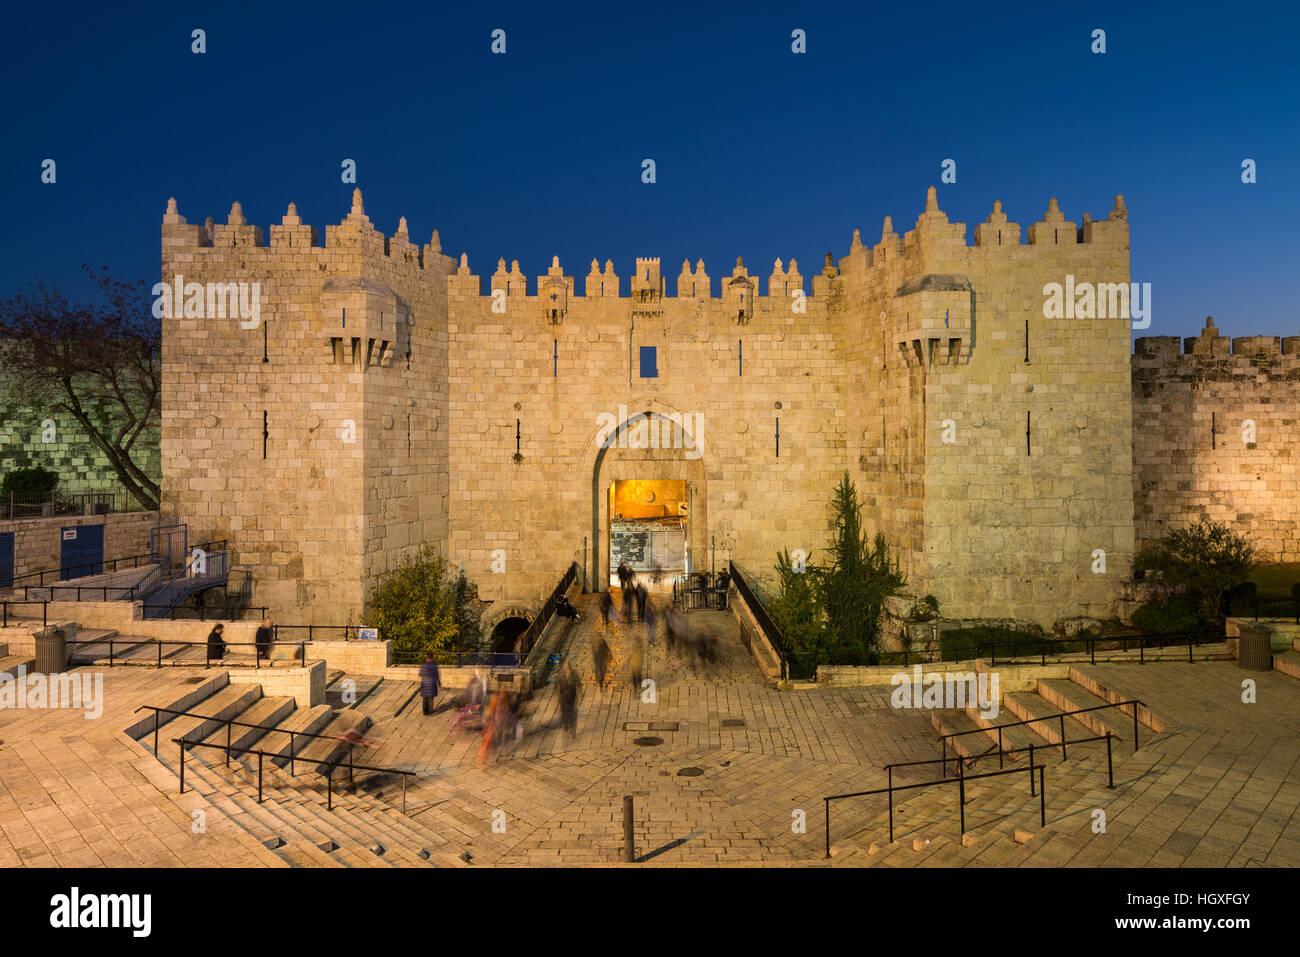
134, 559
229, 722
1001, 753
332, 765
960, 781
943, 738
756, 608
1043, 652
45, 609
207, 656
538, 624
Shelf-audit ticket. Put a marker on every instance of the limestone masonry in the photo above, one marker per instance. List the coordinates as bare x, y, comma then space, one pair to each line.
386, 396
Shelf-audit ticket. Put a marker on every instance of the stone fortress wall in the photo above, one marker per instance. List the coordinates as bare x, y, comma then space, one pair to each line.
996, 449
1218, 427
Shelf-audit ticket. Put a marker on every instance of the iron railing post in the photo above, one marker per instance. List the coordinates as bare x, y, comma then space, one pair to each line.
1042, 797
1110, 768
1135, 726
1064, 754
293, 747
961, 796
999, 747
259, 777
1031, 769
228, 727
155, 732
181, 744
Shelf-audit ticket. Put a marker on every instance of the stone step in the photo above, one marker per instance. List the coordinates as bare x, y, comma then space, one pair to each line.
1114, 690
306, 854
267, 712
1017, 738
189, 694
306, 720
229, 702
1287, 662
321, 752
270, 822
1069, 696
10, 664
373, 827
1026, 705
361, 688
969, 746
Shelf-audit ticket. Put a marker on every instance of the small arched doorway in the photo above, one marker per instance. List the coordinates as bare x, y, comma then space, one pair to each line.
507, 632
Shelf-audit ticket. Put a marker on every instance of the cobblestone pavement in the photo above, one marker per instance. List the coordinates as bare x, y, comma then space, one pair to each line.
734, 773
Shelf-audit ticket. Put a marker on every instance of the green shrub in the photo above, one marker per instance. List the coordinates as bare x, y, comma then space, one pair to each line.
29, 483
963, 644
1205, 560
1165, 616
420, 606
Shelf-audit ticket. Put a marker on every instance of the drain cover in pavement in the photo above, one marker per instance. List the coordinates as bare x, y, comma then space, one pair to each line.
647, 742
690, 772
733, 722
649, 725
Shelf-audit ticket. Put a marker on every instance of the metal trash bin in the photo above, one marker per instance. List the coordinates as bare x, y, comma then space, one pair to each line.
51, 651
1253, 649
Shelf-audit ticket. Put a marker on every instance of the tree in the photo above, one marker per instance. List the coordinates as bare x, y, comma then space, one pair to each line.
1205, 559
420, 607
835, 607
98, 363
795, 610
853, 586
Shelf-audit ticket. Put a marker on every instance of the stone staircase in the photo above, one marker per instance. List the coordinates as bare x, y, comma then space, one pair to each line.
1001, 815
1287, 662
293, 821
9, 664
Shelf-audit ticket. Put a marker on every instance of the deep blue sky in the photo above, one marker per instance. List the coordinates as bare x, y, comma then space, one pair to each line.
760, 152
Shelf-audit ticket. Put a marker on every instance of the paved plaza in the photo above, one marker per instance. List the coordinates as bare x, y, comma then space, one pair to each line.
724, 769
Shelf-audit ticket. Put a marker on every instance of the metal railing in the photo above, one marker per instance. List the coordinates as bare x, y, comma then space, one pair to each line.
960, 781
464, 659
332, 766
208, 658
1015, 649
756, 608
135, 561
133, 592
1280, 602
969, 762
16, 506
538, 624
1134, 702
4, 615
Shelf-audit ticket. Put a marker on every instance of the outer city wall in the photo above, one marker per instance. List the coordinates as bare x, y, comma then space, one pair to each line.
1217, 435
993, 446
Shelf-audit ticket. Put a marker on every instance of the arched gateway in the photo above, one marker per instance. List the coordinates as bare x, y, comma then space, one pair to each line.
650, 466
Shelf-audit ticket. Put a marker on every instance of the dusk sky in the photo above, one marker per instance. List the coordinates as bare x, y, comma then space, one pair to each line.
760, 152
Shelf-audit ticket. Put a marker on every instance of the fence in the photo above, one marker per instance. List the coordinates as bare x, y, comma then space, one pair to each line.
749, 596
28, 505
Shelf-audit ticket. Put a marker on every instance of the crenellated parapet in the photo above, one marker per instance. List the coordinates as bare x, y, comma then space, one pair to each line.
1170, 358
